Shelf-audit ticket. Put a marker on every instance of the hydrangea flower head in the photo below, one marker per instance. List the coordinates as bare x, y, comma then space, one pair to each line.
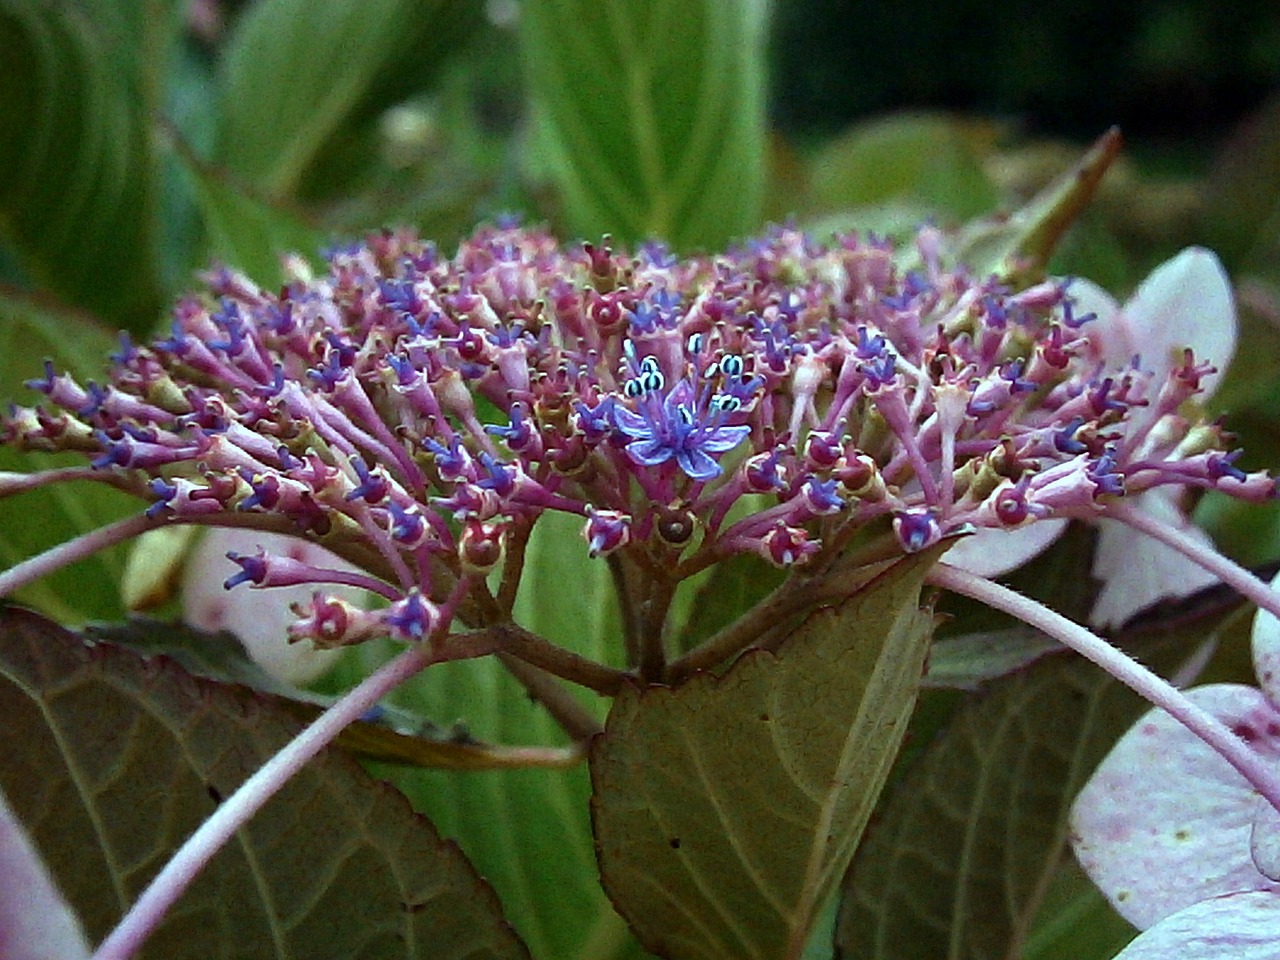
410, 410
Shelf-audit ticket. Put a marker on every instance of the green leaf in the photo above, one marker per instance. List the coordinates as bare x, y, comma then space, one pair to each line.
967, 661
396, 736
302, 82
1017, 246
927, 159
731, 587
244, 230
77, 199
650, 116
973, 836
1079, 924
727, 809
527, 831
35, 521
111, 761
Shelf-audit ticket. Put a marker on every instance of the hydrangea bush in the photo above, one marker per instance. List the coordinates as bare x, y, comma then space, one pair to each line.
717, 596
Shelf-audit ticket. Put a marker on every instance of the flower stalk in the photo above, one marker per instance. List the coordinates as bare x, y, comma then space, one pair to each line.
1260, 774
176, 875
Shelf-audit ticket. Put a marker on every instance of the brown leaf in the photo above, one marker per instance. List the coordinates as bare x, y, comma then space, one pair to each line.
726, 810
111, 760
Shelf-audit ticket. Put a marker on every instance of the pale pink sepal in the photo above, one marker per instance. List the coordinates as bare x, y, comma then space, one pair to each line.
1164, 821
1266, 650
1240, 926
1264, 844
260, 618
1136, 571
1264, 841
991, 552
1184, 302
35, 921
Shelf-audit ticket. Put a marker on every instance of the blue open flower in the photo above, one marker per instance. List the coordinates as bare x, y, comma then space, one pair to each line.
681, 425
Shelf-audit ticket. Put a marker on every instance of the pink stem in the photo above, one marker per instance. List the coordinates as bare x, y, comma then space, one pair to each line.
12, 483
32, 569
1229, 572
235, 811
1160, 692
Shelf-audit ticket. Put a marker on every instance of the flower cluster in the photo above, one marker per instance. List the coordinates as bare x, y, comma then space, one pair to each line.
412, 411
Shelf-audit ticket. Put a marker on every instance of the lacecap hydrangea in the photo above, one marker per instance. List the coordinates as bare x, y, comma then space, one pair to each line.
413, 411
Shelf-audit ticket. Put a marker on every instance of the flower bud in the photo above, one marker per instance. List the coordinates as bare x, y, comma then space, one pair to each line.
675, 525
481, 546
606, 531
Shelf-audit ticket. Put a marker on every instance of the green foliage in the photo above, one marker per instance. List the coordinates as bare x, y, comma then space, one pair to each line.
111, 760
928, 161
650, 116
244, 230
397, 736
975, 831
969, 859
300, 82
77, 195
720, 598
1019, 245
965, 662
726, 810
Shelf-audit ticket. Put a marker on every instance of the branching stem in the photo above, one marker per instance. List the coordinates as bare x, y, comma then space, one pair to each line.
573, 718
540, 652
32, 569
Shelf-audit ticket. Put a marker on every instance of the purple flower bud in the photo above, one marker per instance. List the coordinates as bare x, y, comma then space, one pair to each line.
1105, 475
520, 436
916, 529
823, 449
471, 501
765, 473
786, 546
675, 525
606, 531
820, 497
373, 487
480, 547
407, 526
184, 498
412, 619
1064, 439
329, 622
1011, 504
453, 462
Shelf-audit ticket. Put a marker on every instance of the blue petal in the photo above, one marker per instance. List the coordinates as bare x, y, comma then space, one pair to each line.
631, 423
648, 452
697, 464
724, 438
